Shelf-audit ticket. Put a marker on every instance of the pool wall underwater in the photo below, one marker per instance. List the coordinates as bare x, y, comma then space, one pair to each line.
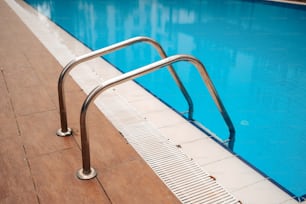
254, 52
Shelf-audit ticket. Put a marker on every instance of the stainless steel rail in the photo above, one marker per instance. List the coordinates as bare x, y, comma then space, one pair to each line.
64, 130
87, 172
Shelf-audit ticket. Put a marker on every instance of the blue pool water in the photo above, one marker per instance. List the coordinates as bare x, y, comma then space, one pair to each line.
254, 51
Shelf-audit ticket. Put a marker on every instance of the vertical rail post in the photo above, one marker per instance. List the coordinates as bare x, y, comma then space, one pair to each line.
64, 130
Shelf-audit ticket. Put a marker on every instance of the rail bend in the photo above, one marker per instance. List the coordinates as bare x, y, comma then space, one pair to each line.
64, 130
87, 172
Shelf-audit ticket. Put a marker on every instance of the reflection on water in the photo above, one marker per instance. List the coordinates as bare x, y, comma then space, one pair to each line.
255, 53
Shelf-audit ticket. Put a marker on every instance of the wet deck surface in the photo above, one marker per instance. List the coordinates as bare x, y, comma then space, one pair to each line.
38, 167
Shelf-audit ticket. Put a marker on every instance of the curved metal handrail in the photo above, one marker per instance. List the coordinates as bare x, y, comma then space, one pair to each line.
87, 172
64, 130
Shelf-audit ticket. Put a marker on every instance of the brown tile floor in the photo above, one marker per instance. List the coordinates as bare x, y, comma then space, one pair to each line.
38, 167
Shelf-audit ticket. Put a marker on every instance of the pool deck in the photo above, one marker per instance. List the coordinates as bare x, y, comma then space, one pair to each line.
39, 167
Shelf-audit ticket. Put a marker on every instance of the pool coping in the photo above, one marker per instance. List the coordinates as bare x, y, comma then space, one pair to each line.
158, 115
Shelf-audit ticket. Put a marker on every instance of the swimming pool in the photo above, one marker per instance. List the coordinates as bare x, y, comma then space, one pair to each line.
255, 54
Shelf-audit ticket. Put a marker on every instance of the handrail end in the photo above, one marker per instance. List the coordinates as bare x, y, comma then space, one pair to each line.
232, 132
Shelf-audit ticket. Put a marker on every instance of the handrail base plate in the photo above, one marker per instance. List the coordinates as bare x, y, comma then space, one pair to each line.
92, 174
60, 133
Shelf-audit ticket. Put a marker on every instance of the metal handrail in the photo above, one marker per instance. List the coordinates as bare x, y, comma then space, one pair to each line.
64, 130
87, 172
